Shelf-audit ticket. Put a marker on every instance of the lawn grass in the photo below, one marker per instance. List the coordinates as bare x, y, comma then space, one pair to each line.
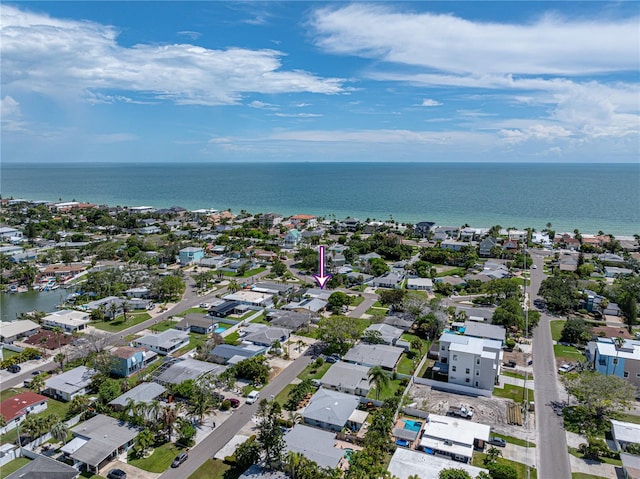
356, 300
628, 418
192, 311
478, 461
7, 393
283, 395
215, 469
195, 340
57, 408
247, 274
556, 329
160, 460
512, 374
89, 475
259, 320
119, 324
582, 475
248, 314
311, 372
163, 326
605, 460
407, 364
376, 310
515, 440
451, 272
232, 338
12, 466
567, 353
388, 392
516, 393
7, 353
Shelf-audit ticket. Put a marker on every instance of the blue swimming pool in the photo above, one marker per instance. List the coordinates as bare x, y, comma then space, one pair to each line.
347, 453
412, 425
219, 330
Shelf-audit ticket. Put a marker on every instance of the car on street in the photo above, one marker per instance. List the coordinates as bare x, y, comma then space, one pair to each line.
253, 396
180, 458
116, 474
566, 368
497, 441
535, 266
204, 305
234, 402
37, 372
14, 368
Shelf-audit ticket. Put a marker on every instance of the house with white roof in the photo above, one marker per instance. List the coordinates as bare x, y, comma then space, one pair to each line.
165, 342
10, 332
470, 361
67, 320
388, 334
330, 409
420, 284
452, 437
371, 355
69, 384
406, 463
251, 298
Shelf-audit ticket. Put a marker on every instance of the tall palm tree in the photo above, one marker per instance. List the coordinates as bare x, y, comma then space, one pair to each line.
292, 462
379, 379
60, 432
233, 286
113, 309
58, 331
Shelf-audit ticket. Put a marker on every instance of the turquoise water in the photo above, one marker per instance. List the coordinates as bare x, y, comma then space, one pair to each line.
588, 197
219, 330
412, 425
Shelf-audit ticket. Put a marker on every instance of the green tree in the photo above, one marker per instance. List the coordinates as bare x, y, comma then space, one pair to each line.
60, 432
270, 436
378, 267
168, 288
372, 337
278, 267
379, 379
575, 331
337, 300
186, 432
393, 297
78, 404
37, 383
247, 453
144, 440
500, 470
453, 473
560, 293
108, 390
493, 453
338, 332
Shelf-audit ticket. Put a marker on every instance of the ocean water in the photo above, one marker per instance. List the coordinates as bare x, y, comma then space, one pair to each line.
589, 197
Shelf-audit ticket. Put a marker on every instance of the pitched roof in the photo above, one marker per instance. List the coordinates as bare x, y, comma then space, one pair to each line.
45, 468
15, 406
125, 352
331, 407
314, 444
72, 380
145, 392
105, 434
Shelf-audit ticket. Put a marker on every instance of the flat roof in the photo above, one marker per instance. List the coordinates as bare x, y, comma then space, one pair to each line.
405, 463
14, 328
626, 431
455, 429
188, 368
144, 393
374, 354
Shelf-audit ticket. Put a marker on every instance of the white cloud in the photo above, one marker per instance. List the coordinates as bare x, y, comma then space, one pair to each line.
9, 108
190, 34
548, 45
429, 102
262, 105
536, 132
68, 58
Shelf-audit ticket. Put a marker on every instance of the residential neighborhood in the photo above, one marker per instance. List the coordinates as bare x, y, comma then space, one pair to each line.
198, 342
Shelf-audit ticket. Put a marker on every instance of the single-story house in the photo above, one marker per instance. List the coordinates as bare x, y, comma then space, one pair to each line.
312, 305
128, 360
453, 245
251, 298
314, 444
615, 272
388, 334
189, 368
165, 342
10, 332
259, 472
330, 409
374, 355
138, 293
347, 378
289, 319
452, 437
224, 309
388, 280
406, 463
18, 407
420, 284
43, 467
624, 434
404, 324
231, 354
70, 384
197, 323
99, 440
142, 393
68, 320
267, 335
272, 288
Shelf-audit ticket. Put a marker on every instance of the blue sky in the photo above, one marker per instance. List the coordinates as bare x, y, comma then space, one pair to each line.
312, 81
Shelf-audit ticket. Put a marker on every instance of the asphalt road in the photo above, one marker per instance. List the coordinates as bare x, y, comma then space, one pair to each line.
551, 445
228, 429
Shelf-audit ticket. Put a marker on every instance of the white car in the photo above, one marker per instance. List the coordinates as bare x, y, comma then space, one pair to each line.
204, 305
253, 397
535, 266
566, 368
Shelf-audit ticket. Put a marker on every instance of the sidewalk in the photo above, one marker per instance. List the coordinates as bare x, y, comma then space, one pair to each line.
530, 384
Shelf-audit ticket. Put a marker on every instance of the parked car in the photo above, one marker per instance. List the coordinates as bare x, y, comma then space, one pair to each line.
217, 396
204, 305
37, 372
116, 474
180, 458
253, 396
14, 368
234, 402
566, 368
497, 441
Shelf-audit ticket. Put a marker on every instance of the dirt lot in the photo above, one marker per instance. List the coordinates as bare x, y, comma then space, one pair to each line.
491, 411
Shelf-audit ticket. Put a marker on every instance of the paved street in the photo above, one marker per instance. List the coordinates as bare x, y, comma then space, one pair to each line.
553, 458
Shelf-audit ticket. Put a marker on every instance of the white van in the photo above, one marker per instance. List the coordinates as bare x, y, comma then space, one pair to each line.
253, 396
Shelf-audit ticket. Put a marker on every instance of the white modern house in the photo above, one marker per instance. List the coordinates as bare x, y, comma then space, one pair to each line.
164, 343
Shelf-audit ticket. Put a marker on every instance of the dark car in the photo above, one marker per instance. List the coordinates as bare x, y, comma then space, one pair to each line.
497, 441
14, 368
234, 402
116, 474
180, 458
37, 372
217, 397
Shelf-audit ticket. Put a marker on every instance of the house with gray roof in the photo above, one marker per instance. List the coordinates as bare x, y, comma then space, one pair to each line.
165, 342
388, 334
313, 305
330, 409
98, 441
292, 320
259, 472
486, 245
484, 330
374, 355
404, 324
272, 288
314, 444
197, 323
142, 393
231, 354
347, 378
43, 467
181, 369
267, 336
69, 384
10, 332
388, 280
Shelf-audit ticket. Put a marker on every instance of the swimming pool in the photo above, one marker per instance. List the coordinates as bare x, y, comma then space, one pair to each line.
219, 330
412, 425
347, 453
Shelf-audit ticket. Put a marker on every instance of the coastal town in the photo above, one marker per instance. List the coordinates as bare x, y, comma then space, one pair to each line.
212, 344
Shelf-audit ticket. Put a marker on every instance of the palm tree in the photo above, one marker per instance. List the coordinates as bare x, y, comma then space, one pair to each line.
125, 310
78, 404
113, 310
58, 332
168, 418
292, 461
60, 432
60, 357
233, 286
379, 379
37, 383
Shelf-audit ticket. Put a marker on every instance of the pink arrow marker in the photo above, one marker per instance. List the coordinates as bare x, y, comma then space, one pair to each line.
321, 279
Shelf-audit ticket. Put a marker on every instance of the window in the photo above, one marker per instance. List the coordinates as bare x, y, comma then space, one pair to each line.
478, 362
615, 361
476, 383
468, 371
442, 348
467, 380
453, 368
477, 372
455, 357
626, 374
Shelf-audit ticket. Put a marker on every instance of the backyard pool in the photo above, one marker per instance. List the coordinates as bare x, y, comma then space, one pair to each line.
219, 330
347, 453
412, 425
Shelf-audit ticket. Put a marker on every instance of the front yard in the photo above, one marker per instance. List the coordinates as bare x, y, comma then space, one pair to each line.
516, 393
567, 353
119, 323
159, 460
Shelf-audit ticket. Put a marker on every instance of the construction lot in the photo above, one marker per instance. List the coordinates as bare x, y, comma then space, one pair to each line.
491, 411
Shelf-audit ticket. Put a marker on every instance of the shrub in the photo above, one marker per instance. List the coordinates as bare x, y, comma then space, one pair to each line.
510, 343
226, 405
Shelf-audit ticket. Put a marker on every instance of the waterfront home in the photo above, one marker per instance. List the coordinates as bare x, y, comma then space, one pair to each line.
330, 409
127, 360
98, 441
16, 408
423, 228
10, 332
190, 254
67, 320
164, 343
309, 221
70, 384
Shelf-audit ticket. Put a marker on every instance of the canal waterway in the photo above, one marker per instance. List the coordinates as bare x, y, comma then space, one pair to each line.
12, 304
